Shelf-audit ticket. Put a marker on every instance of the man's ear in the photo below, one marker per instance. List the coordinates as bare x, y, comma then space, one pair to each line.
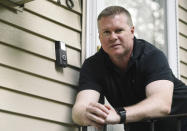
132, 29
99, 36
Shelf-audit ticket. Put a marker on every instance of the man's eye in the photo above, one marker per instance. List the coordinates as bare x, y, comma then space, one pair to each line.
106, 32
119, 31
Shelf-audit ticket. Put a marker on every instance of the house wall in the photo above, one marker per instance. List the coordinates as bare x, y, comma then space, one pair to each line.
34, 93
182, 14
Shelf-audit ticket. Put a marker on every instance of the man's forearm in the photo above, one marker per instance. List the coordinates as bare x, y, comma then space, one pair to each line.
158, 102
148, 108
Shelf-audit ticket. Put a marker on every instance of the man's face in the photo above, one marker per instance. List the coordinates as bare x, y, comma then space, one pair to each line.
115, 35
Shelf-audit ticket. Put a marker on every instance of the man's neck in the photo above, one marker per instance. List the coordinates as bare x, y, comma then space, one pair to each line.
122, 61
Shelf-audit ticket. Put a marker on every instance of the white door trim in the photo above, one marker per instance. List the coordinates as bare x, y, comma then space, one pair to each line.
91, 25
172, 35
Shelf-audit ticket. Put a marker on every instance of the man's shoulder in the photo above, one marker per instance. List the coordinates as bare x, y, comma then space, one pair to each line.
147, 46
95, 61
96, 58
144, 48
94, 66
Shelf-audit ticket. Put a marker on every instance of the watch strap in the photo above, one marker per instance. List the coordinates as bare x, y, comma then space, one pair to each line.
122, 113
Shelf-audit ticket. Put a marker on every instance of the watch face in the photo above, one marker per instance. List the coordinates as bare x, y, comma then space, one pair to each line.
123, 112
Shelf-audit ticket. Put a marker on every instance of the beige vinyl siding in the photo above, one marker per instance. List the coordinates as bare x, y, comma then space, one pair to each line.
32, 43
23, 123
34, 93
182, 13
35, 86
39, 66
55, 13
40, 26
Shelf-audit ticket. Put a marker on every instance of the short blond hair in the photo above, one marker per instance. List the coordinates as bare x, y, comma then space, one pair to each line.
115, 10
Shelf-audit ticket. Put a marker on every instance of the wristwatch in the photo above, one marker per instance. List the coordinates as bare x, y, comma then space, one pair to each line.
122, 113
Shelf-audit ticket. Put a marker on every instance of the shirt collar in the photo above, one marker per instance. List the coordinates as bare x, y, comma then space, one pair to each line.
137, 50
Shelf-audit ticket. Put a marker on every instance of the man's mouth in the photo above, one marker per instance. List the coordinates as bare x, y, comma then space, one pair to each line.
114, 45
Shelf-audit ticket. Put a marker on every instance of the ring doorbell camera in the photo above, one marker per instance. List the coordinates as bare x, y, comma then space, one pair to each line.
61, 54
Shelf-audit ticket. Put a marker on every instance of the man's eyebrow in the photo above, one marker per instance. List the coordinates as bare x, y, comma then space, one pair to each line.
104, 28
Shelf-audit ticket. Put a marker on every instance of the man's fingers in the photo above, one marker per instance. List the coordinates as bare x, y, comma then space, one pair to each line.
100, 106
97, 113
94, 109
108, 107
95, 118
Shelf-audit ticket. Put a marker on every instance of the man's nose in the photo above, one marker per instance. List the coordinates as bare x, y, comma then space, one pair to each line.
113, 36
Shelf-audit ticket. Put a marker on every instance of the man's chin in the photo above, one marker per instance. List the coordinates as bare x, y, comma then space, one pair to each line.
118, 53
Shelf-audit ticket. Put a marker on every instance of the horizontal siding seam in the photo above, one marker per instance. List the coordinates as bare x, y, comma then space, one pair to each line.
182, 48
182, 21
185, 77
37, 34
38, 55
26, 51
183, 62
74, 67
37, 75
52, 20
36, 96
182, 8
183, 34
38, 118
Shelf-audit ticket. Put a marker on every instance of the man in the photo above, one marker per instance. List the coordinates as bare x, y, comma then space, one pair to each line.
132, 74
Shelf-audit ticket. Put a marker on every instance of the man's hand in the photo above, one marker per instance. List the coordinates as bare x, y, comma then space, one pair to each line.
99, 115
96, 114
112, 117
87, 111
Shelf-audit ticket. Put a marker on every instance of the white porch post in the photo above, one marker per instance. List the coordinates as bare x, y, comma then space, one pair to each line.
172, 35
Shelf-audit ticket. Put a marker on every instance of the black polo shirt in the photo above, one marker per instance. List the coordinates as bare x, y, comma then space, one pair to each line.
125, 88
